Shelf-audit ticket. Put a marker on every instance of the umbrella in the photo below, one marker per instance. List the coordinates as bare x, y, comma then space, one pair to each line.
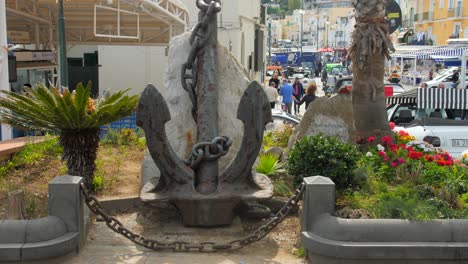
326, 50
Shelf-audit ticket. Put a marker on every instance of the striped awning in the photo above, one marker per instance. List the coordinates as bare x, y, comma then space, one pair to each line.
436, 98
408, 97
432, 53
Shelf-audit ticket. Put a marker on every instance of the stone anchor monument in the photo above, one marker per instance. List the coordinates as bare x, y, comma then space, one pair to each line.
204, 195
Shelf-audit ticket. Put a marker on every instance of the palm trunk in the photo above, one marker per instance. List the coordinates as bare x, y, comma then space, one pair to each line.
80, 152
370, 45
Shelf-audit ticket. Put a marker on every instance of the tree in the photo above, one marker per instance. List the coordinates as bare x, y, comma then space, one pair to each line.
294, 4
76, 117
370, 46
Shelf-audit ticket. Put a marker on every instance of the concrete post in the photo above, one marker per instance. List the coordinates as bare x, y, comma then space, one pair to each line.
65, 202
319, 199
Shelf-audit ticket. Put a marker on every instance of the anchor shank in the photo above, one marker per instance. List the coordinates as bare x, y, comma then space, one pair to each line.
206, 180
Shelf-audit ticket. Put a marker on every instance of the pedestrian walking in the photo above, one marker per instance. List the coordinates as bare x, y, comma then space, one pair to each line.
298, 93
275, 80
272, 94
287, 93
431, 74
310, 95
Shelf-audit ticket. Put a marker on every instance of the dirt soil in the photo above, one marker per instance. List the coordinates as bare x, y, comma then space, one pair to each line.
119, 166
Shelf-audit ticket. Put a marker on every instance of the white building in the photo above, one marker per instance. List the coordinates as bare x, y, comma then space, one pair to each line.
113, 54
238, 23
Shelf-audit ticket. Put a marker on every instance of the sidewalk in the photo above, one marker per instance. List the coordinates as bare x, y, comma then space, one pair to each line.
106, 247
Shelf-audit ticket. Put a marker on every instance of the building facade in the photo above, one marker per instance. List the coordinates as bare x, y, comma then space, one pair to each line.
238, 24
438, 20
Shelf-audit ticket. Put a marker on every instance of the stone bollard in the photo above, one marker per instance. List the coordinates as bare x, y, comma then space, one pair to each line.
319, 198
58, 234
66, 202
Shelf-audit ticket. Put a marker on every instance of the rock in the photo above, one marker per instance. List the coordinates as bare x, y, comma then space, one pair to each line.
330, 116
275, 151
181, 129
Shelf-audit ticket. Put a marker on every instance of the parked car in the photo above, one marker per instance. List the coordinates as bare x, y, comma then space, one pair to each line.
281, 118
431, 120
446, 79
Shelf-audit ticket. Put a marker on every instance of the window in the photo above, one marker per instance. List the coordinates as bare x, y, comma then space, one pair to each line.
441, 3
459, 9
457, 30
450, 4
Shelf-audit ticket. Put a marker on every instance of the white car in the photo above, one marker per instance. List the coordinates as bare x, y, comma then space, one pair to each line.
444, 128
445, 78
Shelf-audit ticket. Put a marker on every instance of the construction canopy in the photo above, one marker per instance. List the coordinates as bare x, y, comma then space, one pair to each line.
122, 22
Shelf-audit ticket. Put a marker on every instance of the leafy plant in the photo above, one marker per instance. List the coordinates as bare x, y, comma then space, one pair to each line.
278, 138
128, 137
269, 165
98, 183
300, 252
30, 207
76, 117
324, 155
112, 137
281, 188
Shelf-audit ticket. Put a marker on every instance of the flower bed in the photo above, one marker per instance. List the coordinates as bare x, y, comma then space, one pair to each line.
408, 179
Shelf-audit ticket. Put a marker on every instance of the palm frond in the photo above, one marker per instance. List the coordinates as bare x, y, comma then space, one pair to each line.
48, 109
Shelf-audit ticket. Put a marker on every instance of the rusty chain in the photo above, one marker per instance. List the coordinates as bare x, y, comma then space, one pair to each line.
209, 151
200, 36
183, 246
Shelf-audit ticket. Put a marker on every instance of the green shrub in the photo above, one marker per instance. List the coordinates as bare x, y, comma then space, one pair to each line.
281, 188
278, 138
326, 156
98, 183
128, 137
269, 165
112, 137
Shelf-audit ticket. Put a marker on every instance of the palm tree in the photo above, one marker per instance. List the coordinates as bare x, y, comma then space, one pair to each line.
370, 46
76, 117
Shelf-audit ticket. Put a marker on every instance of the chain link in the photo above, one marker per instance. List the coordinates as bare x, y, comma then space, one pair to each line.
209, 151
200, 36
182, 246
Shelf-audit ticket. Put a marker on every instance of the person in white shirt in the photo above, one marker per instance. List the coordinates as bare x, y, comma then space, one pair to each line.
272, 94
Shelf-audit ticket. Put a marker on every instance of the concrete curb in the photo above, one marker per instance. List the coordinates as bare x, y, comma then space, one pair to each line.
330, 239
62, 232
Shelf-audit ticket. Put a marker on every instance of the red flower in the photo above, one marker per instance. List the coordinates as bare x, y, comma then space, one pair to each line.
394, 164
429, 158
401, 160
410, 148
402, 146
391, 125
403, 133
371, 139
386, 140
415, 155
393, 148
382, 154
